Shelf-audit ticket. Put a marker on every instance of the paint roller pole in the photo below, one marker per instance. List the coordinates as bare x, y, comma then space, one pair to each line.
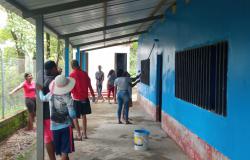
155, 41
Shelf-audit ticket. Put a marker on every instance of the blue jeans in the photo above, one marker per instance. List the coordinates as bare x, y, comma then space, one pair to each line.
99, 89
123, 99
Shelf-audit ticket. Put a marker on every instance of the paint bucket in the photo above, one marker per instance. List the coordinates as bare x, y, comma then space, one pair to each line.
141, 139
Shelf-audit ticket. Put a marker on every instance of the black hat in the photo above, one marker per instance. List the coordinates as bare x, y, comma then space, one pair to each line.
49, 65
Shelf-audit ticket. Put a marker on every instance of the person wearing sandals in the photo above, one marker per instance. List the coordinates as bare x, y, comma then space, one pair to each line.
99, 75
50, 73
122, 86
80, 96
30, 98
61, 112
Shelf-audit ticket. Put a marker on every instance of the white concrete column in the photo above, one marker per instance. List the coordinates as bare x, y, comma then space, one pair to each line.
39, 80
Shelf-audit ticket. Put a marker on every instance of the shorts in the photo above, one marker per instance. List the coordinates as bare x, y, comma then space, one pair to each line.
81, 107
47, 133
30, 104
63, 140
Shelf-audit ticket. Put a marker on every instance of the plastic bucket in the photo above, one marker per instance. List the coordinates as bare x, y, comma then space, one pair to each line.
141, 139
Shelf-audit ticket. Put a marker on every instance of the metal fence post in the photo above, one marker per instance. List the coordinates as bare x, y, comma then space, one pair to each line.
2, 76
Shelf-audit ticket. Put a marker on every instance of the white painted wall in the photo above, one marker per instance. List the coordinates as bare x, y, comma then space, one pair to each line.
106, 58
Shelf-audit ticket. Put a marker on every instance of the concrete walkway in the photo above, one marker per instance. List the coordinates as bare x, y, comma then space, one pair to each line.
111, 141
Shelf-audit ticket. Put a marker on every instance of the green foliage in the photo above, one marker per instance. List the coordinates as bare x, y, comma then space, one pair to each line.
17, 59
23, 34
133, 59
4, 35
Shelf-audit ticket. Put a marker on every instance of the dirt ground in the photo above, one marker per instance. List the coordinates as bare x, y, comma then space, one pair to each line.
17, 145
111, 141
107, 139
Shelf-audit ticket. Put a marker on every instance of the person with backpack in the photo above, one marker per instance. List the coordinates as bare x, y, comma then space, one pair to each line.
61, 112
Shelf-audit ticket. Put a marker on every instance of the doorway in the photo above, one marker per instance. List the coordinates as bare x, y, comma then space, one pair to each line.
120, 62
159, 88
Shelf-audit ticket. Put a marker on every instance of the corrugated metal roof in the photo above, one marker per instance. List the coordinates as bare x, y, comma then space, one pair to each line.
34, 4
95, 20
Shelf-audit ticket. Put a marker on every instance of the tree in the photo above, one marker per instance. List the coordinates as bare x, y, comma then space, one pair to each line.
47, 46
23, 33
133, 58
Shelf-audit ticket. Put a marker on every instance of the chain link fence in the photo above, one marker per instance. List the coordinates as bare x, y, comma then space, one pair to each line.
12, 74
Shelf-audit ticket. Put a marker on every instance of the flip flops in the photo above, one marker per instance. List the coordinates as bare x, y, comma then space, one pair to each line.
78, 138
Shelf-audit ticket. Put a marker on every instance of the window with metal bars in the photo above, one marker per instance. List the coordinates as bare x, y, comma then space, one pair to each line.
145, 71
201, 76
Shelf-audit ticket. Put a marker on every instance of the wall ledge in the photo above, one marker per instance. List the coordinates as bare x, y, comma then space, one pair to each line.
191, 144
11, 124
148, 106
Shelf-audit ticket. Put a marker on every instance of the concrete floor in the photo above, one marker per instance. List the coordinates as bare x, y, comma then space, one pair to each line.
111, 141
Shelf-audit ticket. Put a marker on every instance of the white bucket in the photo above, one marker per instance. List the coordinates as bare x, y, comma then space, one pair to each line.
141, 139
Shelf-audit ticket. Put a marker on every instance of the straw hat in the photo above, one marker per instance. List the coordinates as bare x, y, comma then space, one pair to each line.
61, 85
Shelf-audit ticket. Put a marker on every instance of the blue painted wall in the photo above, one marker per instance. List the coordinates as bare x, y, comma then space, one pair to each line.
197, 23
66, 58
78, 54
84, 61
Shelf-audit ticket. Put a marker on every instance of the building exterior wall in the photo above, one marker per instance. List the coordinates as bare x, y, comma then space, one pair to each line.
197, 23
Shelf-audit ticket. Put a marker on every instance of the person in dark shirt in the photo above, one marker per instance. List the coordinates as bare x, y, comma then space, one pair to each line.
50, 72
61, 112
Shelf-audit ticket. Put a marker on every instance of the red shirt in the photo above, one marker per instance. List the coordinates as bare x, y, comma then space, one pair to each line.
29, 89
80, 91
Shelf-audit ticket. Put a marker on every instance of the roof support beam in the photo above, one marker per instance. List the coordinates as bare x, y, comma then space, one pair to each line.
66, 6
110, 39
112, 45
127, 30
94, 8
24, 10
113, 26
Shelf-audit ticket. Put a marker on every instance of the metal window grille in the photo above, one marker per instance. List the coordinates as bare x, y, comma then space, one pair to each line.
145, 71
201, 76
